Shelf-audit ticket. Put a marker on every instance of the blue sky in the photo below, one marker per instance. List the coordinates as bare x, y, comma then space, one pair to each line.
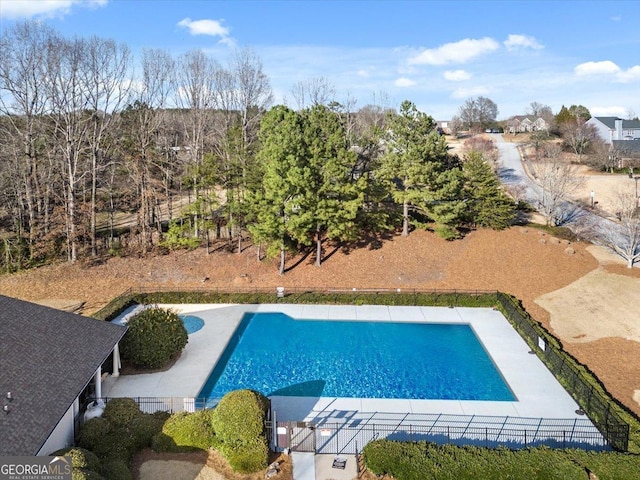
436, 54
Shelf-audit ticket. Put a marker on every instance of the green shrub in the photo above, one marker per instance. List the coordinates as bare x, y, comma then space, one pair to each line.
82, 474
121, 432
238, 421
92, 433
80, 458
161, 443
119, 443
116, 469
186, 431
180, 236
420, 460
143, 429
154, 337
247, 457
240, 416
121, 411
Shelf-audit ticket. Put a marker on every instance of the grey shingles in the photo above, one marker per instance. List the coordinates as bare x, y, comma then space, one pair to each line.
47, 357
611, 122
629, 147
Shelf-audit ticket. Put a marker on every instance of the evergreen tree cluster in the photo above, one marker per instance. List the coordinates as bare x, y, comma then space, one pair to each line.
315, 187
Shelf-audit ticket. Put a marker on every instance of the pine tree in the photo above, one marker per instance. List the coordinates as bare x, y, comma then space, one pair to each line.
487, 205
419, 173
276, 203
334, 196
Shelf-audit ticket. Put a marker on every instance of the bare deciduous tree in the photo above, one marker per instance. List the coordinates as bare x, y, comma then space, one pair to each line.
144, 118
107, 71
253, 96
539, 110
68, 93
484, 146
478, 113
558, 179
23, 102
578, 136
625, 240
314, 91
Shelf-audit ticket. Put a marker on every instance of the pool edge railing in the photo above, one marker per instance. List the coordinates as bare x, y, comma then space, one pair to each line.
597, 403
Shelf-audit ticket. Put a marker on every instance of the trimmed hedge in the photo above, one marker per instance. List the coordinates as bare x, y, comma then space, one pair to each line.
121, 411
239, 423
186, 432
86, 464
247, 457
80, 458
82, 474
154, 337
116, 470
121, 432
421, 460
239, 417
404, 297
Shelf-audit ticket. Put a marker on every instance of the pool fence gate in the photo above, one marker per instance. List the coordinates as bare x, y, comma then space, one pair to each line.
481, 431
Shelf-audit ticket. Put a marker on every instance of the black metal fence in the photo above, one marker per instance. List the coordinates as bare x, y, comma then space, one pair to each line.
354, 296
483, 431
599, 407
170, 404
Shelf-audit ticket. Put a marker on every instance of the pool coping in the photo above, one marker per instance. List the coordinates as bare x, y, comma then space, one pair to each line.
538, 393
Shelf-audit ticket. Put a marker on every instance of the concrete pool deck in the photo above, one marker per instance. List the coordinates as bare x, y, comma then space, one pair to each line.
538, 394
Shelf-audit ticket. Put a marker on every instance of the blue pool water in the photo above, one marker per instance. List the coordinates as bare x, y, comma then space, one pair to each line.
279, 355
191, 323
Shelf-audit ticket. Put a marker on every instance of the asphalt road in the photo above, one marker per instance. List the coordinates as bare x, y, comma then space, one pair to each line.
584, 222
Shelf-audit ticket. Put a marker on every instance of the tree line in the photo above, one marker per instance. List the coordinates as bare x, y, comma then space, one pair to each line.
84, 140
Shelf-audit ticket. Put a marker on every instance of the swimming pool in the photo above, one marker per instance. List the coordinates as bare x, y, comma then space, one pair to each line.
192, 323
282, 356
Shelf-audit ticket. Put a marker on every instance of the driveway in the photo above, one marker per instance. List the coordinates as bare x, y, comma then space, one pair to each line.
583, 222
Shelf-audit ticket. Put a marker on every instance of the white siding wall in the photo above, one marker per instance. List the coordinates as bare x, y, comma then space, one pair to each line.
605, 132
62, 435
634, 133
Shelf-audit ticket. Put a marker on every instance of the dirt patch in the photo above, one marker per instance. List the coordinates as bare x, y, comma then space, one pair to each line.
148, 465
598, 305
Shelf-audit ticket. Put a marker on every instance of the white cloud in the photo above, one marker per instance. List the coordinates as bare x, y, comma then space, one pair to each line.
469, 92
404, 82
630, 75
213, 28
517, 42
596, 68
457, 52
607, 67
457, 75
48, 8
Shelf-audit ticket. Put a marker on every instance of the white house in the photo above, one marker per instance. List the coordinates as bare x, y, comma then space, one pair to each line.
50, 365
611, 129
526, 123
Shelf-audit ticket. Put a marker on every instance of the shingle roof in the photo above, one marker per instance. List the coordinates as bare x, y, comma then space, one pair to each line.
627, 146
47, 357
610, 122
